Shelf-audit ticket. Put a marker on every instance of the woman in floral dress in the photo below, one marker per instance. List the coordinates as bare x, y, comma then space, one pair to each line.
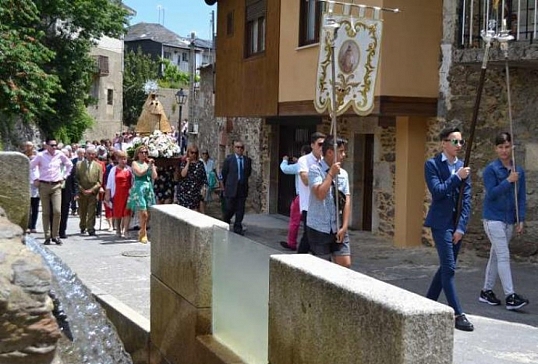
164, 184
192, 177
142, 195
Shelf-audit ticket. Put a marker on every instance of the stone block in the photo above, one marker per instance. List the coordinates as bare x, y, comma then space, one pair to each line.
341, 316
175, 323
181, 253
211, 351
15, 194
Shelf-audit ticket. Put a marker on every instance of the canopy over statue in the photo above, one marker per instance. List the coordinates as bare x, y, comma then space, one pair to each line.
152, 117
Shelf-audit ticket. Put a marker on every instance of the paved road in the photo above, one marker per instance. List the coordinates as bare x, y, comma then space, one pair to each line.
121, 267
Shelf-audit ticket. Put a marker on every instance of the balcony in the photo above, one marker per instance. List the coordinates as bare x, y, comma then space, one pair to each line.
101, 66
519, 17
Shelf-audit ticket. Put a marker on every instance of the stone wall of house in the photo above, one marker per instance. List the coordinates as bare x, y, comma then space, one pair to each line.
492, 119
384, 180
217, 136
384, 166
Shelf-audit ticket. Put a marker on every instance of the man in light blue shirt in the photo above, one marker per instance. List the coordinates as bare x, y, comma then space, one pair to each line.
327, 240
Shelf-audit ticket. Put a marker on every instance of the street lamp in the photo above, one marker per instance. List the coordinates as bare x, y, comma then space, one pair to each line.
181, 99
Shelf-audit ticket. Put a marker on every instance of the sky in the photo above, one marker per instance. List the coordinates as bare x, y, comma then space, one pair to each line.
180, 16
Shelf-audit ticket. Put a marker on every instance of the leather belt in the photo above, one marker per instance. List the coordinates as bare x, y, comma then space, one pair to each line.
50, 182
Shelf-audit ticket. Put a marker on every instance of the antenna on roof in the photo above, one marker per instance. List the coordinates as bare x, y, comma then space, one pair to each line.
160, 8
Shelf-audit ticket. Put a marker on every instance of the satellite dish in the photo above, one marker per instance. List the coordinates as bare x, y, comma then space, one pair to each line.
210, 2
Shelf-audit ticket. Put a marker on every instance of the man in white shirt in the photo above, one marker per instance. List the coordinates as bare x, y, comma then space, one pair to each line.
316, 142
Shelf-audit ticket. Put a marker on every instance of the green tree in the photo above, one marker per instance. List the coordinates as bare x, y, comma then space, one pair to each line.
26, 89
172, 76
72, 28
46, 45
138, 69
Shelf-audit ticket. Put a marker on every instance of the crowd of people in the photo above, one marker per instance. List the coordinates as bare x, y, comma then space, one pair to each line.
97, 179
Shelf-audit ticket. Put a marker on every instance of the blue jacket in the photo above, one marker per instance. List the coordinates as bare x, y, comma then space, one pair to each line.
445, 188
499, 200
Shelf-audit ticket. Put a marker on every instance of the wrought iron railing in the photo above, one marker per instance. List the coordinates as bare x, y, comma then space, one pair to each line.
517, 16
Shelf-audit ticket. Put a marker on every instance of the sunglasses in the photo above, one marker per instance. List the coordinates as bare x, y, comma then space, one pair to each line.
456, 141
240, 147
53, 145
143, 152
320, 144
194, 152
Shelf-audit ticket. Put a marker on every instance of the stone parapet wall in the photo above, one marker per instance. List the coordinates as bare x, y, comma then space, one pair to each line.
15, 179
371, 321
29, 331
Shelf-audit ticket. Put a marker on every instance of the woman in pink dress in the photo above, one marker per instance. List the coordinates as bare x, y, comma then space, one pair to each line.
120, 180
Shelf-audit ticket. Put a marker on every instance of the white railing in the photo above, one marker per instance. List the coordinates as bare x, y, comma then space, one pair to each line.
517, 16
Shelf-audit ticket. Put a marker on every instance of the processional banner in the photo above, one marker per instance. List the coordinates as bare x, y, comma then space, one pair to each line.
357, 45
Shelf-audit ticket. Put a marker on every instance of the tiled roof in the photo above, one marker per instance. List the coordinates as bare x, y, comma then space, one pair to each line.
158, 33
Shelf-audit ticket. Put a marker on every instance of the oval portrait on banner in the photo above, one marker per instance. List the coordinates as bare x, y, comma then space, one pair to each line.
348, 56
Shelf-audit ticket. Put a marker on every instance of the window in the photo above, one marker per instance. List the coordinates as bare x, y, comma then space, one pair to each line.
167, 55
309, 21
110, 97
255, 27
102, 65
185, 57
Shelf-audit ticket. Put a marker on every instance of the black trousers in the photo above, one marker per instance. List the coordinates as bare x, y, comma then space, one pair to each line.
304, 245
236, 206
34, 212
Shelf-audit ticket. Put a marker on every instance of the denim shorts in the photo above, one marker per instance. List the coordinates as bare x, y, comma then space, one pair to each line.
325, 243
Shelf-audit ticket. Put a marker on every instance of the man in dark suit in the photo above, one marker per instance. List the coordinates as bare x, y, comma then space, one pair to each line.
444, 175
236, 170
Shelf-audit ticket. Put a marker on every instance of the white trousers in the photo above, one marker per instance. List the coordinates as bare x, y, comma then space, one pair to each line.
499, 235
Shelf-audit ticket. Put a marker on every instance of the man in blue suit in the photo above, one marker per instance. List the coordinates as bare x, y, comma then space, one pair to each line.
444, 175
236, 170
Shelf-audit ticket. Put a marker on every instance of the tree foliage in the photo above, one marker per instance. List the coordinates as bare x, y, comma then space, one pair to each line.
26, 89
47, 46
139, 68
172, 76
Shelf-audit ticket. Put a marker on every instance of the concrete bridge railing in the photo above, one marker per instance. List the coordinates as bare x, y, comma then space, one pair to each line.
318, 312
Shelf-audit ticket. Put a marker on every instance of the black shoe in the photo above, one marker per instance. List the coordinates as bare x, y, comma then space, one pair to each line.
463, 324
489, 298
91, 233
82, 231
58, 241
63, 236
515, 302
47, 242
240, 231
285, 245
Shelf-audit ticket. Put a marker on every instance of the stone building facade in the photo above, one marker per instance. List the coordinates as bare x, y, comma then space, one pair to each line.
107, 90
218, 134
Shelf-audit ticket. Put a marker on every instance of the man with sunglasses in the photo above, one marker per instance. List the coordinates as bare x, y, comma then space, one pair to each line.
236, 170
54, 167
445, 174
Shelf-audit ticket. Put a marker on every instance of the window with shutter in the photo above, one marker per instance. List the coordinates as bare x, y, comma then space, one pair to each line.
255, 27
310, 18
102, 65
